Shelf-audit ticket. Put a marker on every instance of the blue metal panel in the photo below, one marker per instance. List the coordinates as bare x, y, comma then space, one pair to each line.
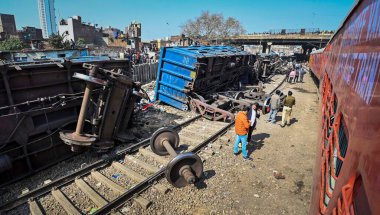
178, 68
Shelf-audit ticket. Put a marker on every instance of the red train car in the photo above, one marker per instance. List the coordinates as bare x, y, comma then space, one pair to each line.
316, 62
347, 173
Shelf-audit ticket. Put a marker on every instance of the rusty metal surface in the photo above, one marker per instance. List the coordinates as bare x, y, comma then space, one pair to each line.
36, 101
211, 112
108, 108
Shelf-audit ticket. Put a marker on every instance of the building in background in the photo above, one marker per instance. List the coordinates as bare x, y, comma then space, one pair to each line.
7, 26
74, 29
31, 36
47, 17
133, 35
114, 37
30, 33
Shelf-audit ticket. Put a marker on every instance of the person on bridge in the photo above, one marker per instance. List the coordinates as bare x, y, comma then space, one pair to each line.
241, 129
287, 109
252, 115
274, 106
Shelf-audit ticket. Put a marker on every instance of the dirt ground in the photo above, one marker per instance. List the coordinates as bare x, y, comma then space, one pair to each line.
232, 185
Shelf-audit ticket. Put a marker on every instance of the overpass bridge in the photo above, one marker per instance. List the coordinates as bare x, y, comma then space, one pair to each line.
307, 41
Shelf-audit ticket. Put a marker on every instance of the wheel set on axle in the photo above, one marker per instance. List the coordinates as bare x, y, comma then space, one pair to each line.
184, 168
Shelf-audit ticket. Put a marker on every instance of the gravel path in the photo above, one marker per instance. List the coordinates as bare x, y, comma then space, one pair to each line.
232, 185
145, 123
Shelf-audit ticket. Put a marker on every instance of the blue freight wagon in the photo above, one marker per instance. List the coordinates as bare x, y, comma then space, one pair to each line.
197, 70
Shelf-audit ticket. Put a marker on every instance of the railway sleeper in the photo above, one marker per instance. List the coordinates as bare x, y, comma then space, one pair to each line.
66, 204
35, 208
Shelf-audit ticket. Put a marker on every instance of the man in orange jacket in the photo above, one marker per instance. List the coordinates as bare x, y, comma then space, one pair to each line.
241, 129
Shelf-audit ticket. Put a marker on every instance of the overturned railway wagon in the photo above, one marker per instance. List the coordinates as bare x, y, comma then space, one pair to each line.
37, 99
185, 72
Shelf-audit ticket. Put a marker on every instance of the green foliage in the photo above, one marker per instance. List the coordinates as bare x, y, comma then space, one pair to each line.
56, 41
11, 44
81, 43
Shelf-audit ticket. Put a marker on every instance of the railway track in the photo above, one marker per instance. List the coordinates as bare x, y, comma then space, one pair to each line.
109, 183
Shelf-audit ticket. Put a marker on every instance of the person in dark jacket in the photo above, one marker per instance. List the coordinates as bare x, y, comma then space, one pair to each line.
275, 102
253, 114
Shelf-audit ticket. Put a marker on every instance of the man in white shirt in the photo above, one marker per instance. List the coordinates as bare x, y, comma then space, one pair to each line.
252, 115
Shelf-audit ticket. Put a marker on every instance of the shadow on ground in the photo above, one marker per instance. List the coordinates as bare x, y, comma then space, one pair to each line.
257, 142
292, 120
206, 175
301, 90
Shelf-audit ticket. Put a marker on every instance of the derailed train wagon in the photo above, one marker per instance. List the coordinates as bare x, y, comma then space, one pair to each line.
185, 72
37, 99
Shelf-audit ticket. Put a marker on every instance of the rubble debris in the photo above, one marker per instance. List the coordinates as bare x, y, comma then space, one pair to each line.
278, 175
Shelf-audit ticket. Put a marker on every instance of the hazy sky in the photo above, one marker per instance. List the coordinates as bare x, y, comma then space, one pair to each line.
161, 18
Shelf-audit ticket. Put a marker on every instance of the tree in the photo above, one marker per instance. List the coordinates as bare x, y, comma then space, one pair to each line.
57, 41
81, 43
11, 44
212, 27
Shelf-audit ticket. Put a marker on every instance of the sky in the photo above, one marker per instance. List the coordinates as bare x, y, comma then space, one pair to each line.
161, 18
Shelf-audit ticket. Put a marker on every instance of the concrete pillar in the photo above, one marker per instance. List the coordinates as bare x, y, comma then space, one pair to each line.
269, 46
264, 47
304, 47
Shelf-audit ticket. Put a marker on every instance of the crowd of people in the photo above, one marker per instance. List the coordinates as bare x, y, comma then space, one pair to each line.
296, 74
246, 120
144, 55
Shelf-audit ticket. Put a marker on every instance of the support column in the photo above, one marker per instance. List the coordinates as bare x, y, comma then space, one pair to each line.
304, 47
264, 47
269, 46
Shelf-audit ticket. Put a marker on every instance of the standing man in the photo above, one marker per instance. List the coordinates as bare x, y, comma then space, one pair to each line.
241, 129
302, 73
274, 106
287, 110
252, 115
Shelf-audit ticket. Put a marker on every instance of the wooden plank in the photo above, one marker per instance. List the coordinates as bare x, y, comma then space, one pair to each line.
35, 208
137, 177
91, 193
128, 172
146, 166
108, 182
161, 188
158, 158
144, 203
64, 202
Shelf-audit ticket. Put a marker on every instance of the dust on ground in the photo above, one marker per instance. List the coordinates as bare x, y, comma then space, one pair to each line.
232, 185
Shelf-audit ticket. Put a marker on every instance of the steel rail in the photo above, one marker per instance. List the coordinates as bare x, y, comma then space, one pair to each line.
65, 180
142, 186
116, 203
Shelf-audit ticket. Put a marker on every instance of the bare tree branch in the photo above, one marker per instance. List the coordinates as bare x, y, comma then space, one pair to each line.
211, 27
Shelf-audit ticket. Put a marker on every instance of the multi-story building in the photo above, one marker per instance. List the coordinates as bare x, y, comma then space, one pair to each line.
47, 17
72, 29
7, 26
133, 32
30, 33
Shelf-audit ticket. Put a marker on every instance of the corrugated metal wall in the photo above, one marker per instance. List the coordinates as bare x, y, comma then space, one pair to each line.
145, 73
